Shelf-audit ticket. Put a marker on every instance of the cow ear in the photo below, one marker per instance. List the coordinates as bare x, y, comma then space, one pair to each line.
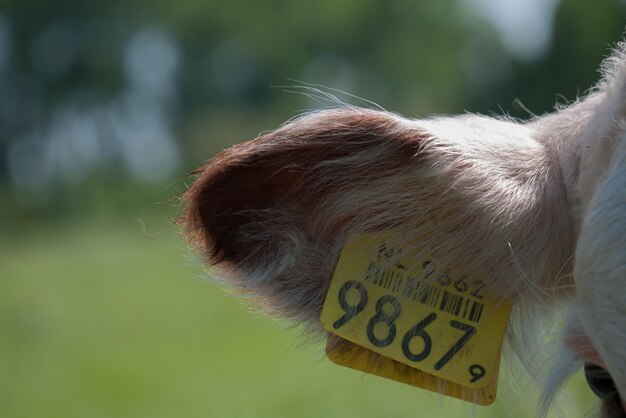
273, 213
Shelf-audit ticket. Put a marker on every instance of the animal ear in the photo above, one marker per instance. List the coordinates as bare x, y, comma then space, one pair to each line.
273, 213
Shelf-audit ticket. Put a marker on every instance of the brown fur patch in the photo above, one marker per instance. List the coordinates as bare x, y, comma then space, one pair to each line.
277, 174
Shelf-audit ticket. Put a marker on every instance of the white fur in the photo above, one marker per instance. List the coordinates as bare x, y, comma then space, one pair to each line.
537, 208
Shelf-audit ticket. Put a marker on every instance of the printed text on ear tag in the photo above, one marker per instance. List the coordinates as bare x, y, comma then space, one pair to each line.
418, 313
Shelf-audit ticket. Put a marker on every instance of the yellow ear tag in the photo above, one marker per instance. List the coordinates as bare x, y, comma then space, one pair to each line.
432, 327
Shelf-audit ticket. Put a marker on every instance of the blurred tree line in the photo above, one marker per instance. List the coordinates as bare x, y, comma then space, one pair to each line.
133, 92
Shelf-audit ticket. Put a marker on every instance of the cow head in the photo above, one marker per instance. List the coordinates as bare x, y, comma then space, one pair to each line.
538, 207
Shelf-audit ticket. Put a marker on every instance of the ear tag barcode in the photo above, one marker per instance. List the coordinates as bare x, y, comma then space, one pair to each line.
434, 327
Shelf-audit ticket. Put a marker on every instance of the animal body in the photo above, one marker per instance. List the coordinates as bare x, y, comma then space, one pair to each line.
538, 207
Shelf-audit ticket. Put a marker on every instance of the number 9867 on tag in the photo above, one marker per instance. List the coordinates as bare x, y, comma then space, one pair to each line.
422, 316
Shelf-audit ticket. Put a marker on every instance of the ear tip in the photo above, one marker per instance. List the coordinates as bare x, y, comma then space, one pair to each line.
191, 223
211, 216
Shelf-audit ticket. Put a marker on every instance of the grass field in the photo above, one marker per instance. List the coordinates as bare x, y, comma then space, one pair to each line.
105, 319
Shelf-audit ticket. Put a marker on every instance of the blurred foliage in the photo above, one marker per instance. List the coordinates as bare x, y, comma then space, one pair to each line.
584, 34
102, 319
64, 59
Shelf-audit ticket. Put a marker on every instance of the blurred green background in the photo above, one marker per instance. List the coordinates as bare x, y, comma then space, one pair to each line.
106, 105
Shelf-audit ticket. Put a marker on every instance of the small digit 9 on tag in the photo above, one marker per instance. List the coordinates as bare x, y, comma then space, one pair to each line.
415, 312
348, 354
